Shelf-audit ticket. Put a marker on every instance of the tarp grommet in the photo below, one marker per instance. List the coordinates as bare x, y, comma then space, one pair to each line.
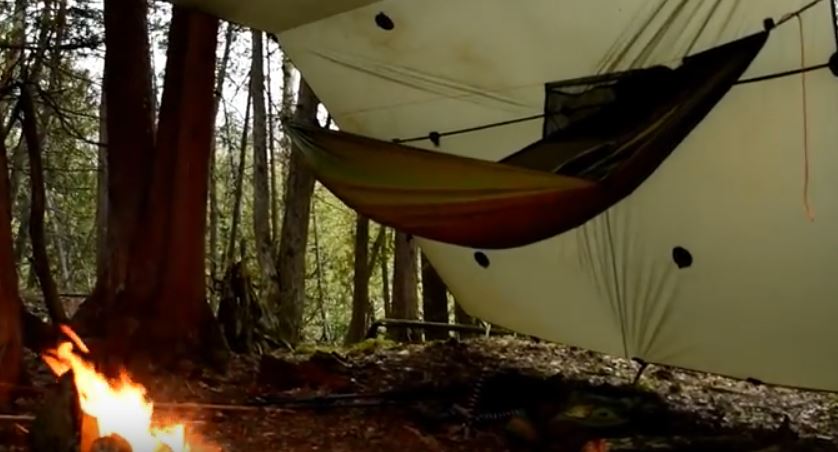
384, 22
482, 259
682, 257
833, 64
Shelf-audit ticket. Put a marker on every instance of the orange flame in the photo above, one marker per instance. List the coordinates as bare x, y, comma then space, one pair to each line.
119, 406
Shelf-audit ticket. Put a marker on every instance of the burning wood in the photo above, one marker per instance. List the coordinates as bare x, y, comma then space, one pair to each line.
116, 414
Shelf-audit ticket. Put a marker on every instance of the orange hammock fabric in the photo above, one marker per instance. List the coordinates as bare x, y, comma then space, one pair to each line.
443, 197
555, 184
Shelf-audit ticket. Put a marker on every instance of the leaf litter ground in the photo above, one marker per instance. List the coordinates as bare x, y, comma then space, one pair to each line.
426, 392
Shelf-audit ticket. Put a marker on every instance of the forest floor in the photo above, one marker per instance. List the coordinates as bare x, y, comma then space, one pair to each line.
521, 394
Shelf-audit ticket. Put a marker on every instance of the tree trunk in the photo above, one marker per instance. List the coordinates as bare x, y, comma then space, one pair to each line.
10, 307
377, 250
326, 334
213, 188
59, 243
36, 218
294, 235
102, 191
272, 151
213, 184
405, 296
20, 241
130, 141
261, 189
386, 296
238, 189
286, 114
11, 63
359, 322
156, 273
434, 299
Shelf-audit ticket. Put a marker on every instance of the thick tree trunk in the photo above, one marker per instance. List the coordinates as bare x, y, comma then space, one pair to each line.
405, 295
434, 299
36, 218
360, 295
261, 189
10, 306
294, 236
156, 274
130, 141
167, 270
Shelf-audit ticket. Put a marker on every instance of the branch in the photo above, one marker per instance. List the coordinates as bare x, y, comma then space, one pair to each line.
65, 121
91, 43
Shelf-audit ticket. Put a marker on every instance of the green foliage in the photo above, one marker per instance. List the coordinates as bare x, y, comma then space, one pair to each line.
68, 104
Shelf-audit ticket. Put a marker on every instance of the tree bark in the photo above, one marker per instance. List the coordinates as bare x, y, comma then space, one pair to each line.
405, 296
434, 299
38, 204
359, 322
167, 271
261, 189
10, 306
294, 235
130, 135
156, 273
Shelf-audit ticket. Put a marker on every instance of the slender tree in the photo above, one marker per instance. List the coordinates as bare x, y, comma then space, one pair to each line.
434, 298
238, 189
294, 234
405, 295
261, 188
360, 281
36, 218
10, 307
213, 190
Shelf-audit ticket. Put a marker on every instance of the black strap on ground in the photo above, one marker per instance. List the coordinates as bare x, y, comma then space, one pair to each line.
422, 325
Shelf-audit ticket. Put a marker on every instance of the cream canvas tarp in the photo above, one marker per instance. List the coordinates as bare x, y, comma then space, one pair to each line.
714, 263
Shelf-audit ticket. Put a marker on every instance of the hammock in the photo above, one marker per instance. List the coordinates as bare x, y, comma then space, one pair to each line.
594, 157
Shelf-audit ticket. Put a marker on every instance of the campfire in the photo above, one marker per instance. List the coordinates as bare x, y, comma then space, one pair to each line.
115, 411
